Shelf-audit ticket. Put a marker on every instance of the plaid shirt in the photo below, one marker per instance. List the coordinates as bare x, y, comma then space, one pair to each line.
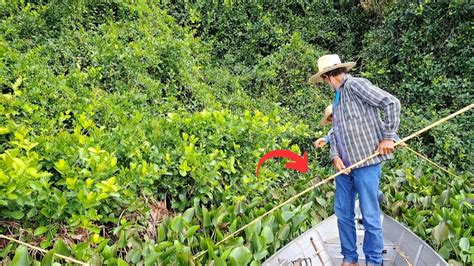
357, 126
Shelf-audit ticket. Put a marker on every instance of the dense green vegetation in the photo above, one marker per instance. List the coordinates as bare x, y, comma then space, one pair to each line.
130, 132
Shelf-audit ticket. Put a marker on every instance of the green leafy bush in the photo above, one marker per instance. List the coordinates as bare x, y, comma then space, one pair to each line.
422, 53
243, 33
435, 205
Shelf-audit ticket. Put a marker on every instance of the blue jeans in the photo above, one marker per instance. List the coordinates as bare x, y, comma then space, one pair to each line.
365, 182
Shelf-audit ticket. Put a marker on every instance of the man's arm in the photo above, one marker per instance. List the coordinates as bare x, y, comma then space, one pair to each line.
333, 154
328, 137
319, 143
377, 97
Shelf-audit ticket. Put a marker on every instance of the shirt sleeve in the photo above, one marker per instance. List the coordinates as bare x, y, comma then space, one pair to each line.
381, 99
333, 148
327, 139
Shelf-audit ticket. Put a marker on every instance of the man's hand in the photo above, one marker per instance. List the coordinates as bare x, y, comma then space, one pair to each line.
385, 147
319, 143
339, 165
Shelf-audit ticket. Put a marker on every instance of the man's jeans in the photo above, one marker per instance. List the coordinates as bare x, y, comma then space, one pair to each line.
365, 182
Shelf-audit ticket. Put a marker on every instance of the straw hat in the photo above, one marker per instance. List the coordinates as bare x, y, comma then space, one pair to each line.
327, 63
327, 114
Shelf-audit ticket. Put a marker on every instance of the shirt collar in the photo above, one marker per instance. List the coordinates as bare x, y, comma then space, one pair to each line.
346, 77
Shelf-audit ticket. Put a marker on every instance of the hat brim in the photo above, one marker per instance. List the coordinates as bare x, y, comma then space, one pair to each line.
324, 121
317, 77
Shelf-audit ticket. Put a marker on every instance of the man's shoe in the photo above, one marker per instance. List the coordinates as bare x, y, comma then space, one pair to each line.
349, 264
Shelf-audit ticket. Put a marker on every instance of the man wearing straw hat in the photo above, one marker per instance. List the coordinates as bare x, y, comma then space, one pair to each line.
358, 131
321, 142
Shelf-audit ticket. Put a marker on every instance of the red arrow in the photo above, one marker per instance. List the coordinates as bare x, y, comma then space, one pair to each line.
299, 163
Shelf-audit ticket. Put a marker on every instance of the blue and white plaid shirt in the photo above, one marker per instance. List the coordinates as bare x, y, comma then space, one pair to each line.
357, 126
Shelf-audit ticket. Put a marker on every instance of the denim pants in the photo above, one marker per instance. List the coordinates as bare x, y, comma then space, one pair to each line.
365, 182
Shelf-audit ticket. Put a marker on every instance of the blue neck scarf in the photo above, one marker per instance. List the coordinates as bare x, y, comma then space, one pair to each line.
336, 98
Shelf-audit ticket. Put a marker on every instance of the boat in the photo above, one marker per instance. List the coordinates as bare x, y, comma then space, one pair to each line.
320, 245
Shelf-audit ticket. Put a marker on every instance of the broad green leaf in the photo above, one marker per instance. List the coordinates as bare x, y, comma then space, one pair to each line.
163, 245
206, 217
254, 202
102, 245
19, 165
48, 259
121, 262
122, 240
255, 263
40, 230
283, 232
261, 254
254, 228
219, 262
440, 232
219, 235
62, 166
210, 247
21, 257
184, 168
444, 197
257, 226
444, 252
185, 259
239, 208
267, 234
113, 161
106, 251
241, 255
287, 215
464, 244
177, 224
400, 172
191, 231
188, 215
218, 219
233, 226
136, 257
321, 201
6, 250
161, 232
298, 219
45, 243
269, 220
255, 243
306, 207
226, 254
151, 258
61, 248
4, 130
17, 215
